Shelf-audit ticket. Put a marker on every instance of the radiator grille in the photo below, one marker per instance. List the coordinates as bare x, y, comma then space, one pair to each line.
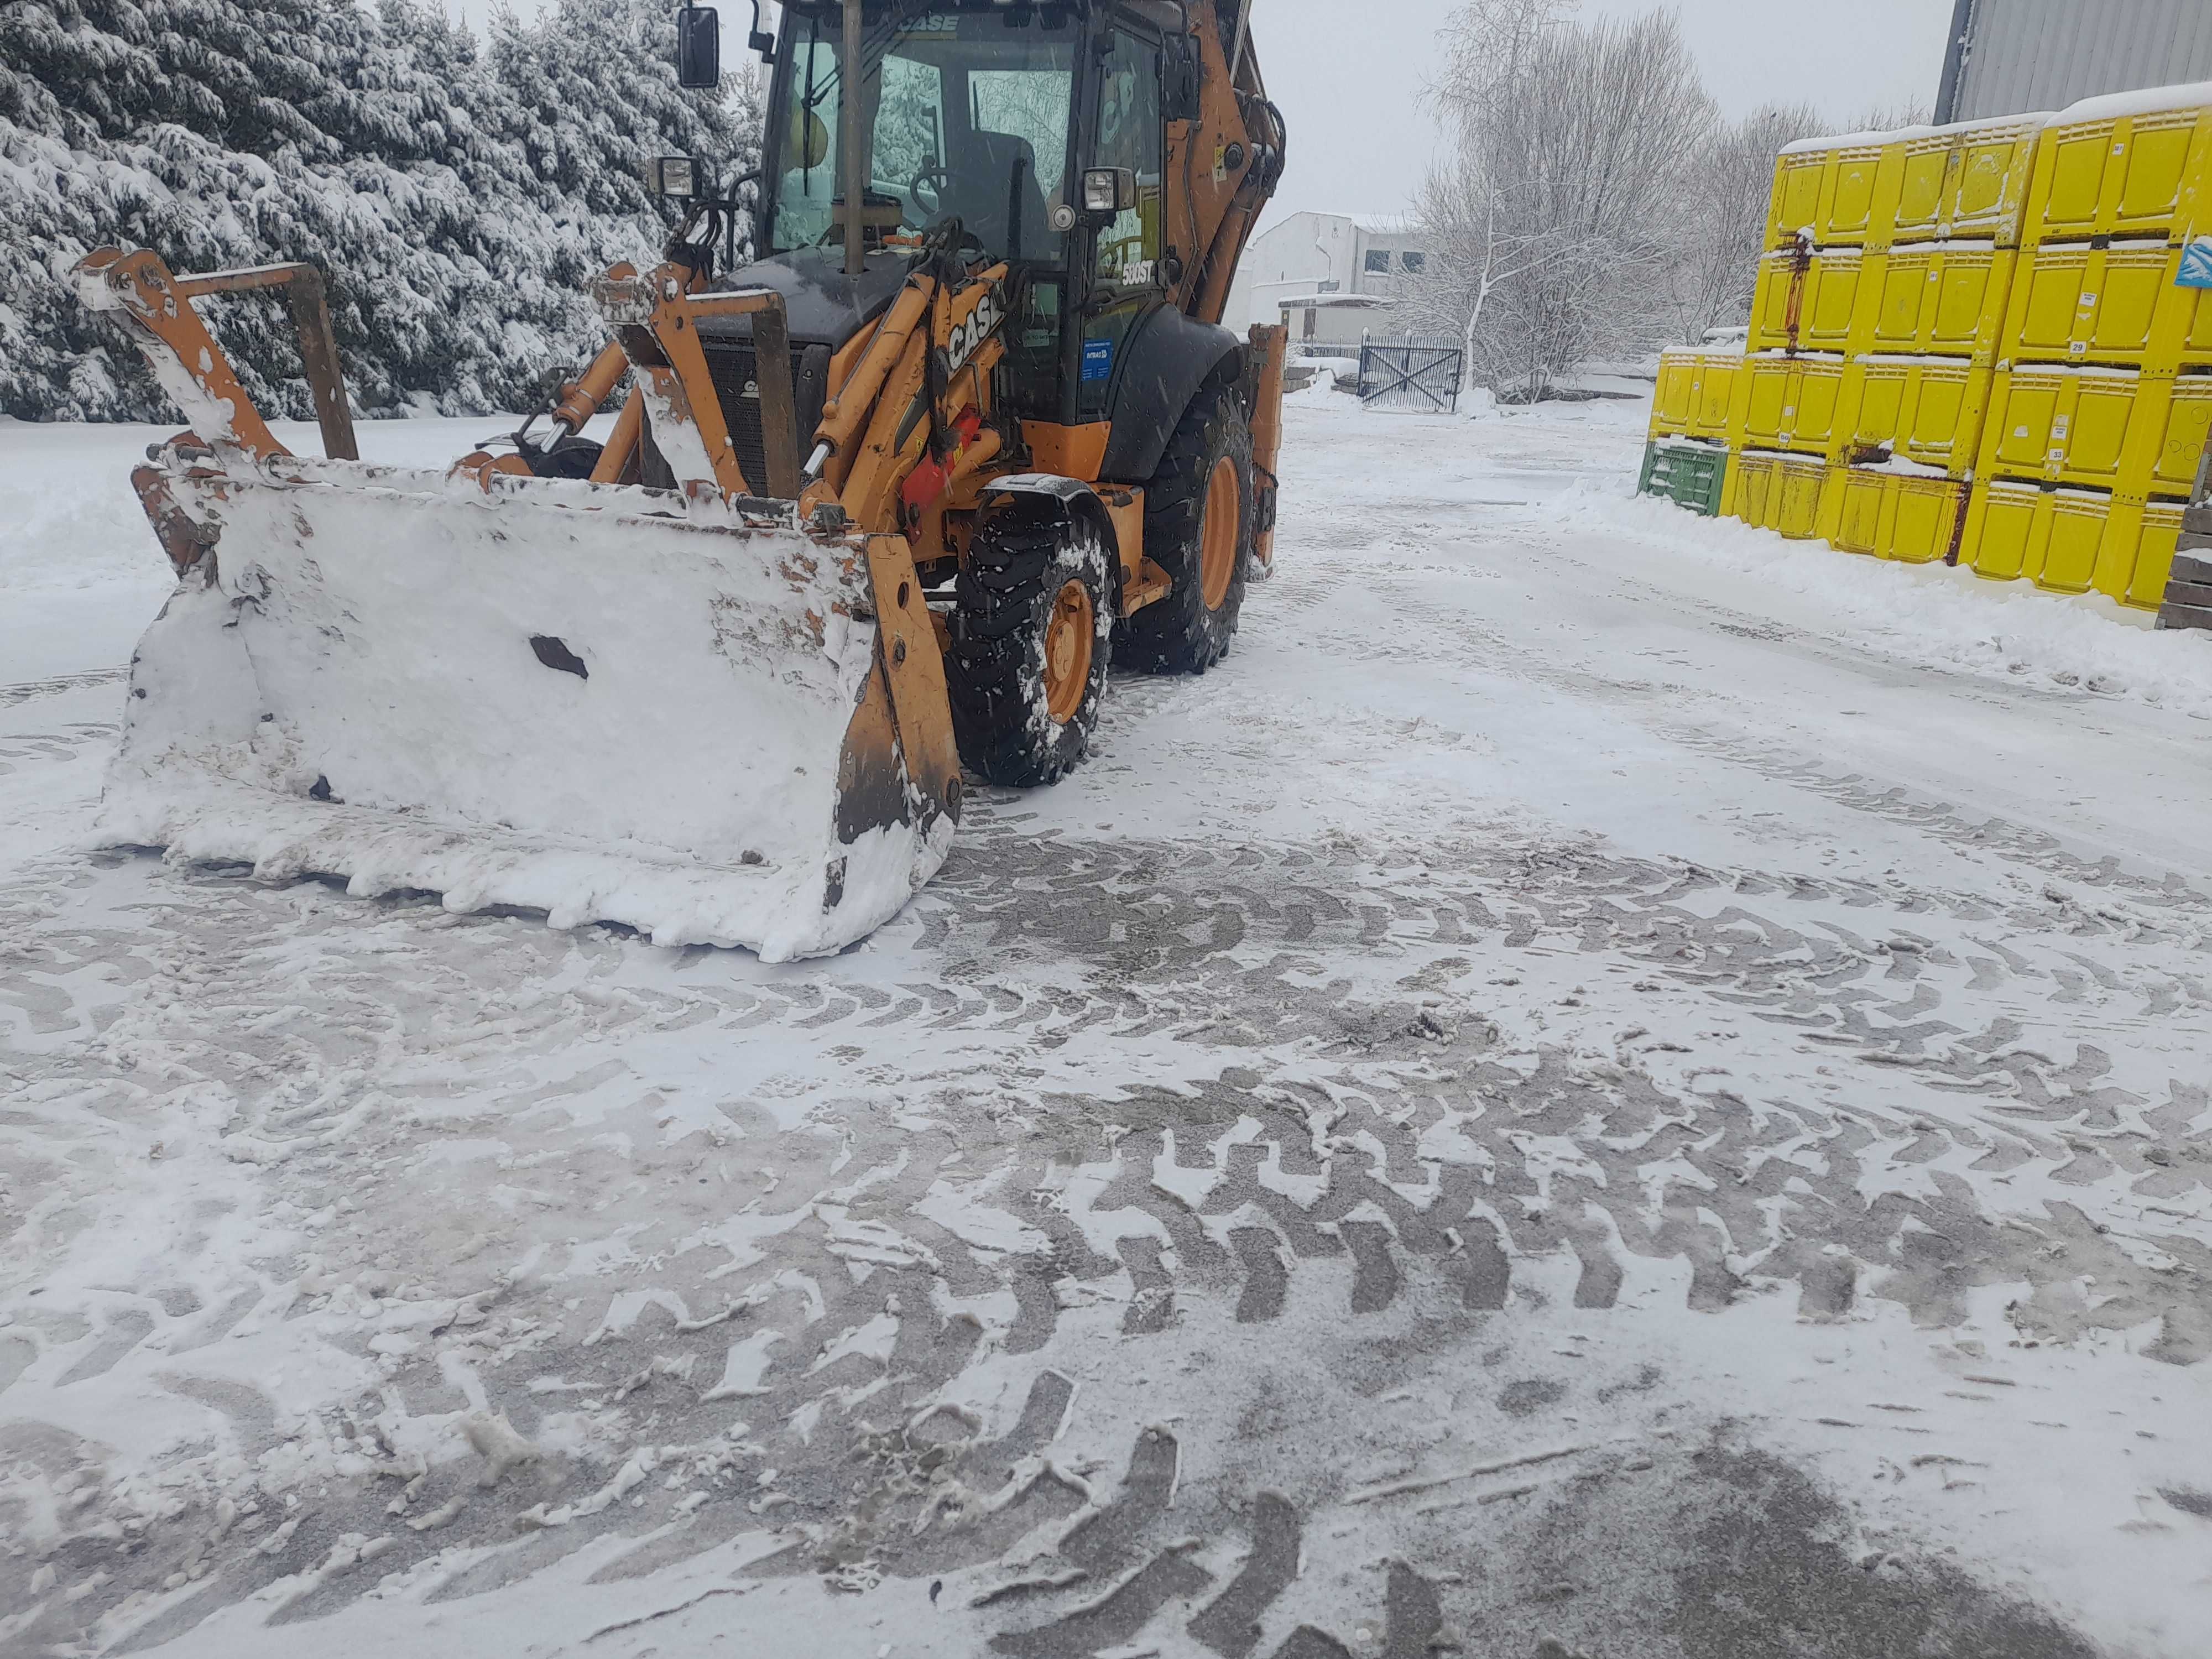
731, 364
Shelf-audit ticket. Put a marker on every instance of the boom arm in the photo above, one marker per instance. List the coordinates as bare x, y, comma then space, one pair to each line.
1224, 166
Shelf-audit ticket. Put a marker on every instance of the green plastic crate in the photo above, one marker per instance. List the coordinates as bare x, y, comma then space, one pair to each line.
1687, 473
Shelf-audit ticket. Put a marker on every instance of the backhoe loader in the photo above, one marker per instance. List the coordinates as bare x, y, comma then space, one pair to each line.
888, 498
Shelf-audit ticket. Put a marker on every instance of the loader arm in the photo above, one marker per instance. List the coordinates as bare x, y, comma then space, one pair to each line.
928, 364
655, 320
154, 305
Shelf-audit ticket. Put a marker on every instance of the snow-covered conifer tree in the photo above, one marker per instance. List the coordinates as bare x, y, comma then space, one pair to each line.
458, 199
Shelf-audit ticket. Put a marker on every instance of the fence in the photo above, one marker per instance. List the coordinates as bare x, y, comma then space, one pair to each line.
1419, 375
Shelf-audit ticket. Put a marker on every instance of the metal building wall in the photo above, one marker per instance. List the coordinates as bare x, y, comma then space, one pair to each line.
2012, 56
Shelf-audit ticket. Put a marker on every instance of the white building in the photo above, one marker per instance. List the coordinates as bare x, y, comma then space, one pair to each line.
1335, 324
1316, 253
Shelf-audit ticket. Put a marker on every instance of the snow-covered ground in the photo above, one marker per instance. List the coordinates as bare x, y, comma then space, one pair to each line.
1608, 1085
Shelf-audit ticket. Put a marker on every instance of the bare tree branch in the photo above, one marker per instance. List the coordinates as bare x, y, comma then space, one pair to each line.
1552, 226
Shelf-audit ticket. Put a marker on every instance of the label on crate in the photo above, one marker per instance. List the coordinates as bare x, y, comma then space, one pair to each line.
2196, 263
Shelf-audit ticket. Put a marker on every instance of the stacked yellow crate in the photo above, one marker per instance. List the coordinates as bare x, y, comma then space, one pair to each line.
1686, 452
1830, 198
2103, 390
1875, 326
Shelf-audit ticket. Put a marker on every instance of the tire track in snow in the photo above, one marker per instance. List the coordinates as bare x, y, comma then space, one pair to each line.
29, 691
1387, 1137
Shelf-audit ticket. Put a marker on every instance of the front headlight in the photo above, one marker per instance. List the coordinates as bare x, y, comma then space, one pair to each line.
1101, 190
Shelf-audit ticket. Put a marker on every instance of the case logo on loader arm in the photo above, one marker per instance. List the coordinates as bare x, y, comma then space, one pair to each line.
980, 324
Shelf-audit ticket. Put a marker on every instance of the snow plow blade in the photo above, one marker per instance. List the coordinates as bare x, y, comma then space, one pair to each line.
605, 704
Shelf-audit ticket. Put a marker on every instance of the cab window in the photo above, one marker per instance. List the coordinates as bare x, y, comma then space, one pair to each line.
1131, 137
964, 115
1125, 278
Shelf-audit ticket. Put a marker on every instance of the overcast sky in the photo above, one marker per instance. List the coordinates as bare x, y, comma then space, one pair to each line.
1349, 77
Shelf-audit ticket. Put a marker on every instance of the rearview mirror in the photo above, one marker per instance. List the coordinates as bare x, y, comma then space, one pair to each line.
698, 48
761, 40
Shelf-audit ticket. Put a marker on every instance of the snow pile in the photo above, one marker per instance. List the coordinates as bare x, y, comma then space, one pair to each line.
2011, 631
1319, 392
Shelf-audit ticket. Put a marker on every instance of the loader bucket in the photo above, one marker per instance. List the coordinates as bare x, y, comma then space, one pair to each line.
608, 704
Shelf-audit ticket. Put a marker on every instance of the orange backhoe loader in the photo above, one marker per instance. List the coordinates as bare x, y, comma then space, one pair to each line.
890, 498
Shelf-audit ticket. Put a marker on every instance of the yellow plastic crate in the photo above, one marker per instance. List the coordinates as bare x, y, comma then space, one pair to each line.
2074, 302
1841, 190
1946, 298
1968, 180
2140, 435
1826, 293
1696, 388
1715, 393
2151, 562
2153, 556
1784, 493
2175, 434
2053, 537
1836, 295
1772, 291
1790, 403
2107, 167
2072, 541
1672, 399
2065, 425
1926, 410
1896, 516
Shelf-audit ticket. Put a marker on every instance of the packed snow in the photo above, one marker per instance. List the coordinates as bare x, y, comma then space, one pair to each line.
1608, 1084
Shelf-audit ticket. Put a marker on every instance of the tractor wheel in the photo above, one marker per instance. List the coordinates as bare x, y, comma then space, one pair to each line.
1199, 522
1031, 644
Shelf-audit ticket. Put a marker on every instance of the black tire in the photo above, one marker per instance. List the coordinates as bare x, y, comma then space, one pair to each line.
1182, 633
1019, 572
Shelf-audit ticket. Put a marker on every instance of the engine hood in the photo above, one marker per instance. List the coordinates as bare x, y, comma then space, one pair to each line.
823, 305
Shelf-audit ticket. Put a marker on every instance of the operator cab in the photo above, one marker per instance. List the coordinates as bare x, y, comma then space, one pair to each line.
1041, 127
964, 115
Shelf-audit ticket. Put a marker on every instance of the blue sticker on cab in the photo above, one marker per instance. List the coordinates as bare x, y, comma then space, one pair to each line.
1097, 359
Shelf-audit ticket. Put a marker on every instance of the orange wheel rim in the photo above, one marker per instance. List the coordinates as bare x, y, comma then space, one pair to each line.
1069, 639
1218, 546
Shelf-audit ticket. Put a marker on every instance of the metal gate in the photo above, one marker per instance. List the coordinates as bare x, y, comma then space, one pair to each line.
1422, 375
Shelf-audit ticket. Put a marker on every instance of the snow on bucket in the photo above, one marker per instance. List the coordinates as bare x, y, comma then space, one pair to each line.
607, 704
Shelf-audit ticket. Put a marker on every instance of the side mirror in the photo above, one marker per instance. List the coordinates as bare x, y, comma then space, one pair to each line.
1180, 79
698, 48
761, 40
